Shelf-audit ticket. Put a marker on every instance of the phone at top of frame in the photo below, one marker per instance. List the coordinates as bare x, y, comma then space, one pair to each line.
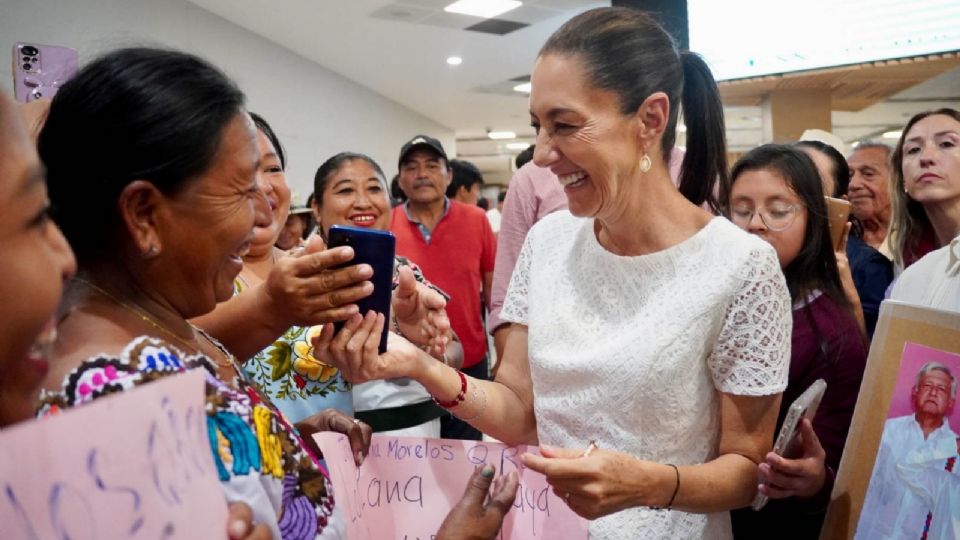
376, 248
40, 70
804, 406
838, 212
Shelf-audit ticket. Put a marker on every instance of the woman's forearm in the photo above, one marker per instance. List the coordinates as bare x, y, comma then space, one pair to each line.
491, 407
725, 483
242, 324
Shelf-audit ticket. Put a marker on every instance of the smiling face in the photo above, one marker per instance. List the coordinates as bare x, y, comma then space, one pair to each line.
582, 136
354, 195
869, 190
273, 182
37, 262
209, 224
931, 161
764, 191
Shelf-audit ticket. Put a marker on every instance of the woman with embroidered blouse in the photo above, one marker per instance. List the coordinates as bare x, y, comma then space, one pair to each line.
152, 169
652, 338
41, 264
286, 369
351, 189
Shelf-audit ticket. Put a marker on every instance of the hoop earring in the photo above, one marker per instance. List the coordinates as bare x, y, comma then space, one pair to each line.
645, 163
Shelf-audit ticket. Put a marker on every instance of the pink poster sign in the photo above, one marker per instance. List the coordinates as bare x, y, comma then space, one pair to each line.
134, 465
407, 485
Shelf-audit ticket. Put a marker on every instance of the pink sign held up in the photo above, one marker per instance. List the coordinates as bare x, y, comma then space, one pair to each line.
407, 485
132, 465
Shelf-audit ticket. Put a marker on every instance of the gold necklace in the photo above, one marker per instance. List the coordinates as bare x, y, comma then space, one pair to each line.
140, 312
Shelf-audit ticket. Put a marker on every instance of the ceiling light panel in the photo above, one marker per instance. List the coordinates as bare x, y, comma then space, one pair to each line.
482, 8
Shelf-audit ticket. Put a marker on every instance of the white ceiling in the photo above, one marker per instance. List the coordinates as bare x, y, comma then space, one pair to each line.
399, 48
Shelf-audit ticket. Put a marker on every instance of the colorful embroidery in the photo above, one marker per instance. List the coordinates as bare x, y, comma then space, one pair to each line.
287, 369
269, 442
305, 363
251, 441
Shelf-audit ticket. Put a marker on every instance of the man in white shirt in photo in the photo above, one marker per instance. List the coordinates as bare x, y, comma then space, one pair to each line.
892, 509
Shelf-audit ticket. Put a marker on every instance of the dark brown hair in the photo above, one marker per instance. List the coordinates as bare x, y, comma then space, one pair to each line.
627, 52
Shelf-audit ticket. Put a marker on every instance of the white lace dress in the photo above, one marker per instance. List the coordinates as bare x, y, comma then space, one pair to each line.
633, 351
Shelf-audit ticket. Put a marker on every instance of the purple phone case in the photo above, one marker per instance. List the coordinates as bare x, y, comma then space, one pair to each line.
40, 70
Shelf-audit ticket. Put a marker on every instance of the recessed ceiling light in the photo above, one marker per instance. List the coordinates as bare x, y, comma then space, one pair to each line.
892, 134
454, 60
523, 87
498, 135
518, 145
482, 8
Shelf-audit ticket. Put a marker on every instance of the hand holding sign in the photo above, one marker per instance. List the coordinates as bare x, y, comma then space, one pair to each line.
479, 514
407, 486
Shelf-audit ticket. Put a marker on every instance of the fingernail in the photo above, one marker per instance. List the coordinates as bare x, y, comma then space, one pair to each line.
238, 529
487, 471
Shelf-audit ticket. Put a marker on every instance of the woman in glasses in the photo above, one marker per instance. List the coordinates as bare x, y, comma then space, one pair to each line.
776, 194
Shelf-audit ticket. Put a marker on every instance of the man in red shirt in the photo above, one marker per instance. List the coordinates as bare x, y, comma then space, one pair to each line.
454, 246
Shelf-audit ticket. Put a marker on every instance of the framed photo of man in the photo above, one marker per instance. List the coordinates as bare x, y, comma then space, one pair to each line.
899, 476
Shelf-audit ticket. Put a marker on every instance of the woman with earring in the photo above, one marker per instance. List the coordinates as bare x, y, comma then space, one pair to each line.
635, 283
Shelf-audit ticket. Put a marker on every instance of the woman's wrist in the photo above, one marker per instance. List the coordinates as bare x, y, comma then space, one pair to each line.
272, 314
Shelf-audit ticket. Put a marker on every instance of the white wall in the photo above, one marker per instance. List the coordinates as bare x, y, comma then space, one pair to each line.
315, 112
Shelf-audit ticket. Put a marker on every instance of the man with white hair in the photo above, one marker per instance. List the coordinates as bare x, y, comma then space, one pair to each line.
893, 507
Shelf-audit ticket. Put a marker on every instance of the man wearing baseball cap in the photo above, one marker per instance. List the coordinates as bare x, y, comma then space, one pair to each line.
454, 246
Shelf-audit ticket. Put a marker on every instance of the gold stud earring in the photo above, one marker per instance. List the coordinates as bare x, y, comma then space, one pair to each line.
152, 252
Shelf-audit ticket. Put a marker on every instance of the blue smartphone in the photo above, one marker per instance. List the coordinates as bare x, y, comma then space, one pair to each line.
376, 248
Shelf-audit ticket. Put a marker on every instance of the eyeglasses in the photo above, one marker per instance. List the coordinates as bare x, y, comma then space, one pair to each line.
775, 219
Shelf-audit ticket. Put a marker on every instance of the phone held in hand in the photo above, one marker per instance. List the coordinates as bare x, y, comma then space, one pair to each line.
376, 248
804, 406
40, 70
838, 212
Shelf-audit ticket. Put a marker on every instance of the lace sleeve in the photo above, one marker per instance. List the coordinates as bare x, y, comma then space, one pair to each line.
516, 303
752, 353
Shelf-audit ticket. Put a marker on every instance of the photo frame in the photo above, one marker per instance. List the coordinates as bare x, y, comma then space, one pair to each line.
905, 335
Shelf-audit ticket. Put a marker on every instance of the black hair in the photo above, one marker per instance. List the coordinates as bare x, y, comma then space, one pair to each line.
132, 114
396, 192
525, 156
330, 166
502, 196
465, 175
627, 52
841, 171
815, 267
264, 127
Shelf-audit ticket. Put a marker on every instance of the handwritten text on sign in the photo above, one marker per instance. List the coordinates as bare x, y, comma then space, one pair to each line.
407, 485
133, 465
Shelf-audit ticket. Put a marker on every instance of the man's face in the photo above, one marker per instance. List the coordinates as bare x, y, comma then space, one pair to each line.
932, 394
469, 196
424, 176
869, 191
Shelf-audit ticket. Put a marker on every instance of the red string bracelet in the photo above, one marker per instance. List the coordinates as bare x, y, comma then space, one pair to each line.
460, 397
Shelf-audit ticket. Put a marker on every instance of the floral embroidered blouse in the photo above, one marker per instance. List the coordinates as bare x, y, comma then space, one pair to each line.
259, 455
297, 383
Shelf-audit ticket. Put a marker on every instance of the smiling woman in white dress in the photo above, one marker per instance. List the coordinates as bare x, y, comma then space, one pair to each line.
643, 323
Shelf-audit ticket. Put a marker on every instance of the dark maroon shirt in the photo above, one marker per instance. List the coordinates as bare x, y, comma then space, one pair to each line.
827, 344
